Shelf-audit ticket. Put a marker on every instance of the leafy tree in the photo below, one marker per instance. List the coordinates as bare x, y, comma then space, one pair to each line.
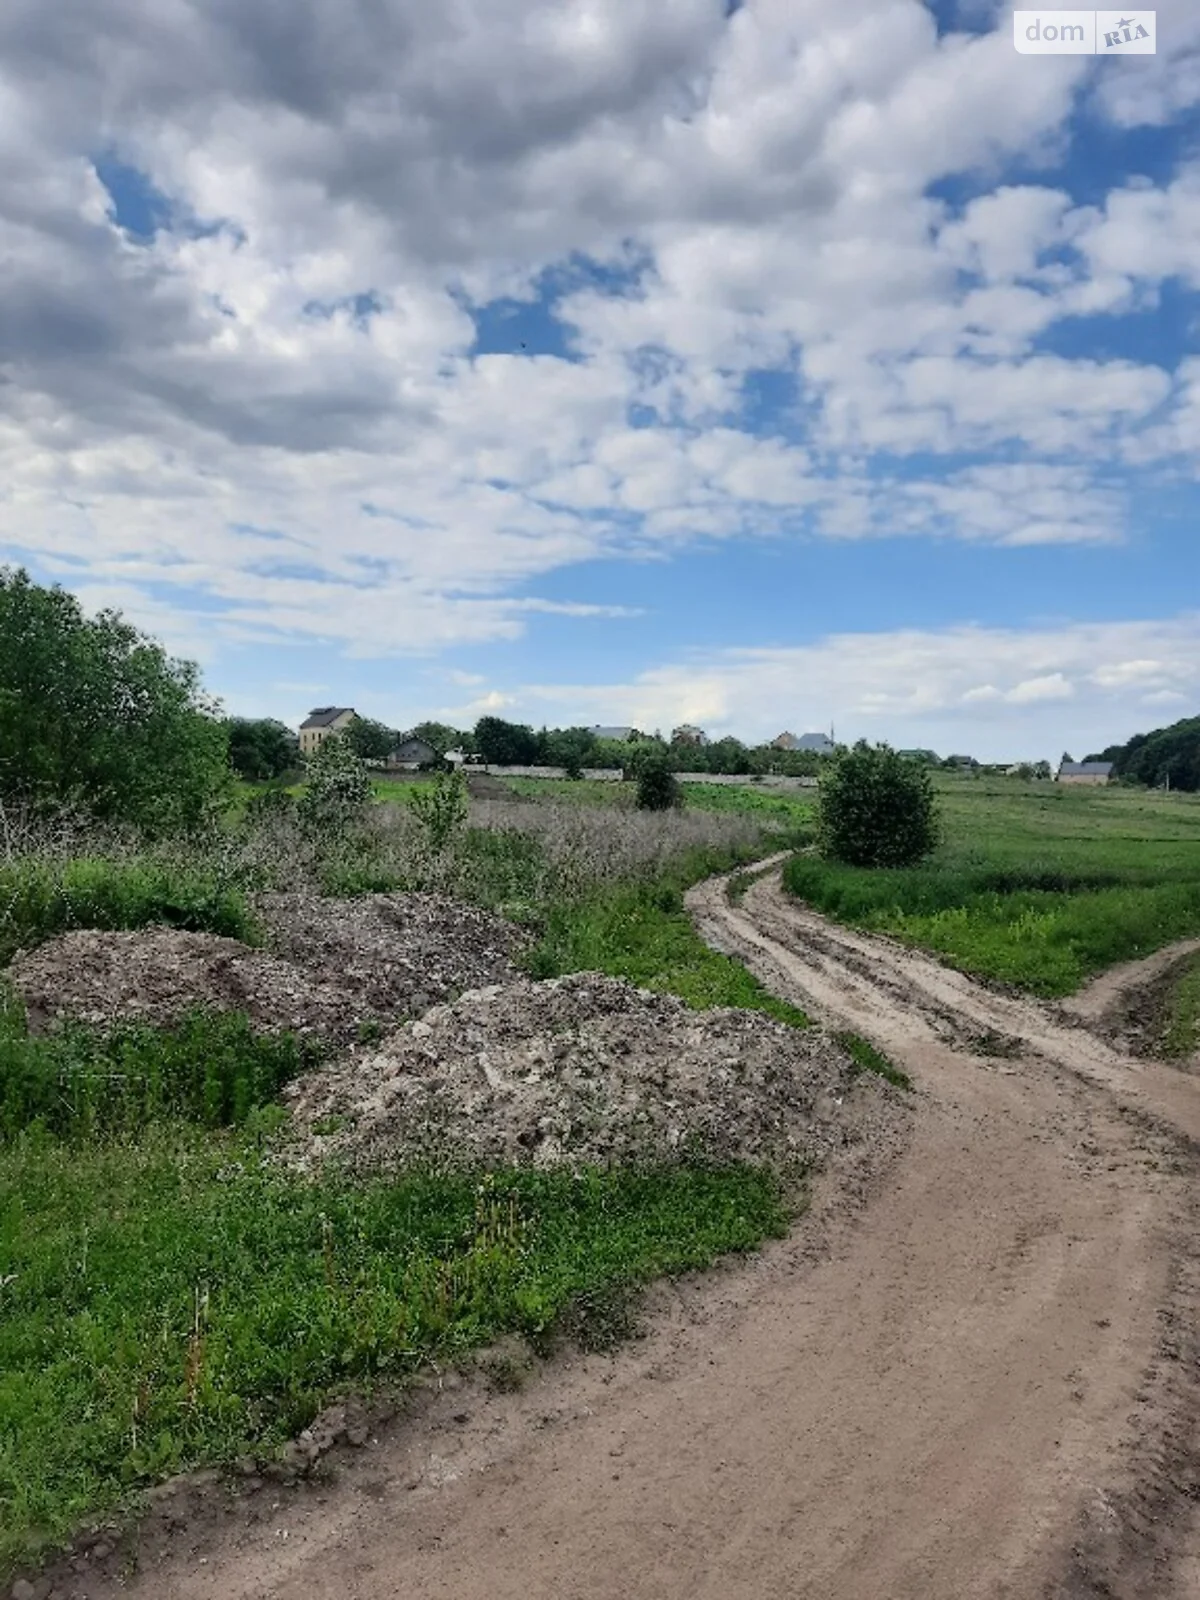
94, 713
338, 788
876, 810
261, 748
442, 807
658, 789
505, 744
370, 740
1166, 755
571, 748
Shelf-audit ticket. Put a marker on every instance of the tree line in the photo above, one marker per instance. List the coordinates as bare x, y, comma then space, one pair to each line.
1163, 758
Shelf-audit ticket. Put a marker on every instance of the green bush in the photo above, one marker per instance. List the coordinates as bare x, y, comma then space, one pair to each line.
337, 791
875, 809
658, 789
441, 808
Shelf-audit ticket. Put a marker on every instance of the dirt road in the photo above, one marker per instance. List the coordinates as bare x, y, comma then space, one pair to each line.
981, 1382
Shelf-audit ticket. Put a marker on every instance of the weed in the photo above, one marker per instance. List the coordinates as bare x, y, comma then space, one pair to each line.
868, 1058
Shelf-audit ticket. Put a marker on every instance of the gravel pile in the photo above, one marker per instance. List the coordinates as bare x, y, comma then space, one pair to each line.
329, 965
577, 1070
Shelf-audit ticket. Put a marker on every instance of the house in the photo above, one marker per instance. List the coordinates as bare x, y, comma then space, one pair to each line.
410, 755
687, 734
1093, 772
623, 734
817, 743
968, 762
785, 741
322, 722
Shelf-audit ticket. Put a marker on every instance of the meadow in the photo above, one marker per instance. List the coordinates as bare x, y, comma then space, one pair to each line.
169, 1297
1036, 885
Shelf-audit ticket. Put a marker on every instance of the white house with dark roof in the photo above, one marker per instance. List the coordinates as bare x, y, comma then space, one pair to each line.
320, 723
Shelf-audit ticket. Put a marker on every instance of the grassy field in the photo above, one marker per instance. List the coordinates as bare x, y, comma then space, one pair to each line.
1182, 1036
1035, 885
170, 1298
787, 808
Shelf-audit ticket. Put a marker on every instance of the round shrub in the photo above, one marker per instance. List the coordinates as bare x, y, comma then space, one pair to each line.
876, 809
658, 788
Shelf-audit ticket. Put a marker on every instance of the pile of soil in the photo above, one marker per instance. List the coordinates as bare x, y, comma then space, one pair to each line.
578, 1070
157, 975
398, 954
329, 965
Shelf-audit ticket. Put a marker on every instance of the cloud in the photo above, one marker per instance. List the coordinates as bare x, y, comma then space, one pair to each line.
263, 404
995, 692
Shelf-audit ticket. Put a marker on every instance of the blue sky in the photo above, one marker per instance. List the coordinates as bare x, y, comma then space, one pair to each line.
759, 366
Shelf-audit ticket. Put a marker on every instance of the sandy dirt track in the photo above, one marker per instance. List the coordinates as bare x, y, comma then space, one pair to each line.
972, 1372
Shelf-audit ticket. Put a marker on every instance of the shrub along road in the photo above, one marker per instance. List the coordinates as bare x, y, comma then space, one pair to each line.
981, 1382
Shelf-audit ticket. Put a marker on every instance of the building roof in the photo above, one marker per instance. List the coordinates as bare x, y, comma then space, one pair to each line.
814, 741
785, 741
1085, 769
411, 742
611, 733
325, 716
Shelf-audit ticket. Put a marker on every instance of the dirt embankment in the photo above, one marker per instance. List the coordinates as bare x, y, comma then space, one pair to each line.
981, 1383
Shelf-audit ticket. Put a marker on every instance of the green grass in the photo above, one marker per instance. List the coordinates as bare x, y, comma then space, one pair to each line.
793, 809
173, 1301
1034, 885
1182, 1036
80, 1083
868, 1058
41, 899
642, 933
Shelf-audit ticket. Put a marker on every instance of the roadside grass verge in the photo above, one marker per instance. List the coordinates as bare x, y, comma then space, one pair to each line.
641, 932
1038, 890
869, 1058
1182, 1036
173, 1300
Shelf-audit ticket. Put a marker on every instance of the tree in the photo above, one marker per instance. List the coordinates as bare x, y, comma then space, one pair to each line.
570, 748
370, 740
505, 744
338, 788
96, 714
658, 789
261, 748
876, 810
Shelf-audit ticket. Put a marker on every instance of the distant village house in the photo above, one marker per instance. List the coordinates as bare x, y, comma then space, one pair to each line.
1092, 772
687, 734
410, 755
322, 722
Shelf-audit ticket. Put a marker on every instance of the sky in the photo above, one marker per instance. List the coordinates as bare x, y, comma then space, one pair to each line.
761, 366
